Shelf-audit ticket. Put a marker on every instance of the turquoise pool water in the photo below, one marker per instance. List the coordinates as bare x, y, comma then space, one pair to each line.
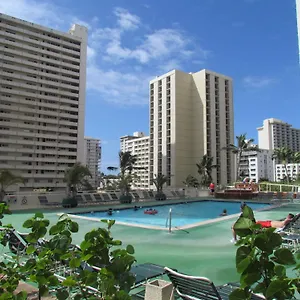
182, 214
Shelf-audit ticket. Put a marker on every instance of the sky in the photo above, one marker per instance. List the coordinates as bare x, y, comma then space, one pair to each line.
133, 41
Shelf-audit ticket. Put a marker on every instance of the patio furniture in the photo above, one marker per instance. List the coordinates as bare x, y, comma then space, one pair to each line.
200, 288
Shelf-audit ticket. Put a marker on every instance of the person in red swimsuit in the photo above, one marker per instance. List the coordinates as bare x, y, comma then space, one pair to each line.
268, 224
276, 224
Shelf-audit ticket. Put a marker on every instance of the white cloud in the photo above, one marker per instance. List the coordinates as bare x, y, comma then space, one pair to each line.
258, 82
118, 73
126, 20
119, 87
33, 11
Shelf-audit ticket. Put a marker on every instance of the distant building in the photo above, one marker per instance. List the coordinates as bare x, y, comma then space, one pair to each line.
138, 144
292, 169
191, 114
42, 101
257, 165
92, 156
276, 133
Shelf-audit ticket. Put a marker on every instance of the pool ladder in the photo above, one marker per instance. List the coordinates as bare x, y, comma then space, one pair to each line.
169, 220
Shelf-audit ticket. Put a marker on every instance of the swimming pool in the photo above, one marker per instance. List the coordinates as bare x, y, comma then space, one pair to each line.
183, 214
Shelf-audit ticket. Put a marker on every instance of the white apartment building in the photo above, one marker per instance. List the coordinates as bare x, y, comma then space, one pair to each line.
293, 171
92, 159
191, 114
138, 144
257, 165
42, 101
276, 133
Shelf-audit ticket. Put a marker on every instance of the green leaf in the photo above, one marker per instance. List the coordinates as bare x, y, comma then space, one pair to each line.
74, 263
259, 288
87, 257
30, 249
39, 215
43, 289
275, 240
284, 256
84, 245
54, 230
62, 295
130, 249
239, 294
243, 264
28, 223
248, 279
241, 253
21, 296
248, 213
274, 287
69, 281
280, 271
74, 227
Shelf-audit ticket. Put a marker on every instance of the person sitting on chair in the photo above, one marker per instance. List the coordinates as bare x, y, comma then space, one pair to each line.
268, 224
276, 224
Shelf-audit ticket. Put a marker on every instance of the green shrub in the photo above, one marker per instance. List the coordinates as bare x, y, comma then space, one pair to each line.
160, 197
69, 202
125, 199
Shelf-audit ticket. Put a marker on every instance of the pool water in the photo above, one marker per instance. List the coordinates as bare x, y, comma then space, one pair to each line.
182, 214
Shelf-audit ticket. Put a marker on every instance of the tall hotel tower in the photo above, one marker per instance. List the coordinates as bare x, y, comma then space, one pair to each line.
42, 101
191, 115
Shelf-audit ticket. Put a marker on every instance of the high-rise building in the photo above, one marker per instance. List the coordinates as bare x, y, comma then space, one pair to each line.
276, 133
191, 115
42, 101
138, 145
92, 159
257, 165
298, 24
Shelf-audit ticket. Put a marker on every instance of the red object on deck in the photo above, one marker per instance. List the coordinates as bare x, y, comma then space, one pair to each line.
150, 211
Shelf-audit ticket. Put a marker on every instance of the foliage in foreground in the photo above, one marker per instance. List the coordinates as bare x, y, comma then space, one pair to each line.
261, 261
45, 258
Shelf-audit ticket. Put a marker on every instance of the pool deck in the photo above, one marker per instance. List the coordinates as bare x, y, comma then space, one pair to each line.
204, 250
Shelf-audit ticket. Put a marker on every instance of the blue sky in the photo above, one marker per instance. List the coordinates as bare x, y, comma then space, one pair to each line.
132, 41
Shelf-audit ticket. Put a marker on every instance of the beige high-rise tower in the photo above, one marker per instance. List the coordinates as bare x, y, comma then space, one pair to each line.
191, 115
42, 101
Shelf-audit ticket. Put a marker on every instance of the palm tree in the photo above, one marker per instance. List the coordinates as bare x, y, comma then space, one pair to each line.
159, 182
243, 145
191, 181
112, 169
205, 168
127, 161
75, 176
284, 155
7, 178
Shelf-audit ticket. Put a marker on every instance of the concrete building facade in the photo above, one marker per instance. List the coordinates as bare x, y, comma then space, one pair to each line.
276, 133
257, 165
293, 171
191, 114
42, 101
92, 159
138, 144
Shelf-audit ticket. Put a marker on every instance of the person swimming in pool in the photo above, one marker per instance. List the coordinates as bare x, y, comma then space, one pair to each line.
268, 224
224, 213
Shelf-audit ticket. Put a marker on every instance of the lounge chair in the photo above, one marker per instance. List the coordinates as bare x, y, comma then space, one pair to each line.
200, 288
